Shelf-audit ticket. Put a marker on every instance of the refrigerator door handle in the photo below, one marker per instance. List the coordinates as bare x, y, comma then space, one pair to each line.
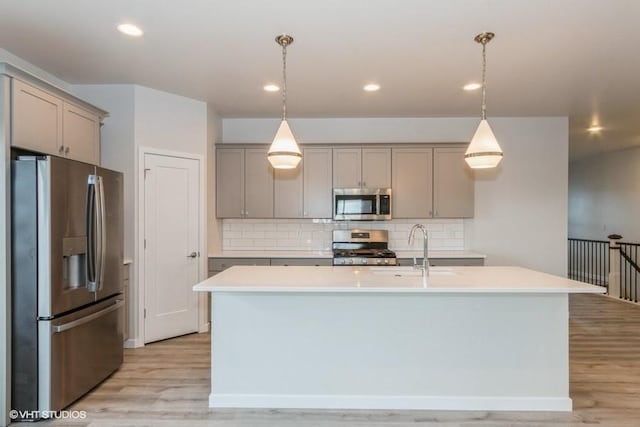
65, 327
101, 223
91, 220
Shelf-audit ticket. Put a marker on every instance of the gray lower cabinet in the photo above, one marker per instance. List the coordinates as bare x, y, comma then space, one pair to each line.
317, 262
444, 262
217, 265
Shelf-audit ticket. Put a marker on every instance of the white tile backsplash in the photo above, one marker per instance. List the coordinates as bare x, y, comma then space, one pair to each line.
315, 234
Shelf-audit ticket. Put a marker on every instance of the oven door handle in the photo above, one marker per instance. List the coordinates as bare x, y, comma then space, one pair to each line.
75, 323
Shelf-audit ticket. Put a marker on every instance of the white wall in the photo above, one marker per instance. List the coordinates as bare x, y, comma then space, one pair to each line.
521, 207
604, 196
214, 226
117, 145
8, 57
143, 117
170, 122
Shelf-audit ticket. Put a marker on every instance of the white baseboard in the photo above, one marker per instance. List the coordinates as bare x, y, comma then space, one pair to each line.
204, 328
446, 403
133, 343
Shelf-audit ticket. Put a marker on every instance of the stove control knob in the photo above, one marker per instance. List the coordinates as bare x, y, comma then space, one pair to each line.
386, 261
378, 261
350, 261
363, 261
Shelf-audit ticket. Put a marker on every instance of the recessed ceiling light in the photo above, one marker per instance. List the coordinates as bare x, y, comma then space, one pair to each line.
472, 86
372, 87
271, 88
130, 30
595, 128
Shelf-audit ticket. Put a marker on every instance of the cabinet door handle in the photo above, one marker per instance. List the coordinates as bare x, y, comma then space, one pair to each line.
430, 213
66, 150
61, 149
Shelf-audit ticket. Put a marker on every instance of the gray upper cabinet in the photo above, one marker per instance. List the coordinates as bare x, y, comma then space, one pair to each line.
288, 190
230, 183
453, 184
317, 182
376, 167
258, 184
412, 182
48, 124
81, 134
36, 120
347, 167
361, 167
244, 183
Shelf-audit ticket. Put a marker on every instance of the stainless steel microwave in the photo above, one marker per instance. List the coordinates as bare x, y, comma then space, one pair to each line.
361, 204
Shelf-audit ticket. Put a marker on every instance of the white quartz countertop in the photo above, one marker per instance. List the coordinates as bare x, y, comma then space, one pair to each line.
390, 280
329, 254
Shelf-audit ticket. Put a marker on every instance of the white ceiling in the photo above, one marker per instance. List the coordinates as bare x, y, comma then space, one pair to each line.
578, 58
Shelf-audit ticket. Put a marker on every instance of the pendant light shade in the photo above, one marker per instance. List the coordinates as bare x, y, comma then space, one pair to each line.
284, 152
483, 152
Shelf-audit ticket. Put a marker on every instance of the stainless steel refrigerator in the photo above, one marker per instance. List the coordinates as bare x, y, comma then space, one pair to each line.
67, 255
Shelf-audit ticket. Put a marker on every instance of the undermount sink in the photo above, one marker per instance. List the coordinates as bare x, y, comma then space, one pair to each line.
410, 271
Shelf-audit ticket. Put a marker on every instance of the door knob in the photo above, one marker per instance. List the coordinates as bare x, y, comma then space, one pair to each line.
192, 255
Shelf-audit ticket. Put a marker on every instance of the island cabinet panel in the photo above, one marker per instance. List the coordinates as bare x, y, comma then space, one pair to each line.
81, 134
230, 183
412, 179
453, 185
361, 167
288, 193
244, 183
36, 120
317, 182
258, 184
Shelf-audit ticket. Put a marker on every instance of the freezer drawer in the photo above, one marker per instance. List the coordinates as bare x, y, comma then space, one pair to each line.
78, 351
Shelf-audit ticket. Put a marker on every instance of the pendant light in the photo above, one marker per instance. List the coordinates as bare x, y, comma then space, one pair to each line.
484, 151
284, 152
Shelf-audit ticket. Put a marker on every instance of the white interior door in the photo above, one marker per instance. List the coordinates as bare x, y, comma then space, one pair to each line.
171, 254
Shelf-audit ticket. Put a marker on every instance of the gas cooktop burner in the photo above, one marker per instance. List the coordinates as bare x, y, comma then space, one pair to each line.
367, 253
362, 247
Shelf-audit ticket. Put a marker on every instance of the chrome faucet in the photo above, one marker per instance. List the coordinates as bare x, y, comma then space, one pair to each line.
425, 259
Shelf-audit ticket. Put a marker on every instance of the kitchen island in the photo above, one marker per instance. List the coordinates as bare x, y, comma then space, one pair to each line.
466, 338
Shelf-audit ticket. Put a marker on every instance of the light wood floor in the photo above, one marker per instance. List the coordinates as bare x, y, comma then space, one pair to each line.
167, 384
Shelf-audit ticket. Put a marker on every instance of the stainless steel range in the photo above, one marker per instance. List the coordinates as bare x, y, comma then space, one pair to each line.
362, 247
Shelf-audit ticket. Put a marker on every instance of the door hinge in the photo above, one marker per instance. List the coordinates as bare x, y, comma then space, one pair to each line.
145, 313
145, 243
145, 171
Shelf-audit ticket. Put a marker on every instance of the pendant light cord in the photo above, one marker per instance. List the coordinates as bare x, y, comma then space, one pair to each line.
284, 81
484, 80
